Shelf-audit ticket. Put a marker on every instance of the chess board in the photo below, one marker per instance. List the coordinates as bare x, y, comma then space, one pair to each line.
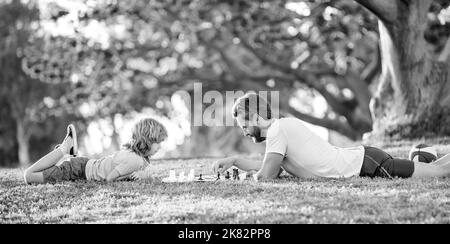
173, 178
204, 178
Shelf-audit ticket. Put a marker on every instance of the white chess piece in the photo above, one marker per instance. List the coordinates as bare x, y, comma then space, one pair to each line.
243, 176
181, 177
191, 176
172, 176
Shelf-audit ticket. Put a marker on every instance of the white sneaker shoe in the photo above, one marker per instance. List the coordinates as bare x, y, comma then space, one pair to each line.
73, 133
69, 145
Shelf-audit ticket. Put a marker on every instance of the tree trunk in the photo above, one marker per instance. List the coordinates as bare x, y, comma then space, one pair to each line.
23, 141
413, 99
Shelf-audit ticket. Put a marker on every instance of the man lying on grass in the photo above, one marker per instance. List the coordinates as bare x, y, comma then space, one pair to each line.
146, 137
293, 147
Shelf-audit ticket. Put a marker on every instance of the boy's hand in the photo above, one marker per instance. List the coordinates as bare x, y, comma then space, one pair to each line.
123, 178
143, 175
138, 175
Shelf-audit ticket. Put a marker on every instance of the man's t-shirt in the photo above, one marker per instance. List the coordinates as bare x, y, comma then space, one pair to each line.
125, 162
292, 139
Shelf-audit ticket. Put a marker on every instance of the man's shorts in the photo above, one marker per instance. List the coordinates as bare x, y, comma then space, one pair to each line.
378, 163
71, 170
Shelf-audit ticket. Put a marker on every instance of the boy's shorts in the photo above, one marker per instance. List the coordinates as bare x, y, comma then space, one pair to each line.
378, 163
71, 170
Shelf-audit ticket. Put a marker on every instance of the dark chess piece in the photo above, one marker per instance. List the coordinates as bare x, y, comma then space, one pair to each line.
227, 176
200, 178
235, 174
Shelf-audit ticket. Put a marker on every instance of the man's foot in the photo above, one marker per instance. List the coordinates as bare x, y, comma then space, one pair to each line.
69, 145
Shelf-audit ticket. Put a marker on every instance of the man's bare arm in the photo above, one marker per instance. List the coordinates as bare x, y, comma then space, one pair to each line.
271, 167
247, 164
244, 164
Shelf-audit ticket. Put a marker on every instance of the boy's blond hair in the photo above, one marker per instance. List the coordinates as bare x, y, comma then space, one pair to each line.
146, 133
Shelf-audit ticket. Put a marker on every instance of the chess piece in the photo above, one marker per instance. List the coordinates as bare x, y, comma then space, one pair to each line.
181, 177
172, 176
235, 174
243, 176
227, 176
191, 176
200, 178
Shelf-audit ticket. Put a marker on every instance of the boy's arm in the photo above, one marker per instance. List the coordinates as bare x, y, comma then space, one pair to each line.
114, 175
247, 164
123, 171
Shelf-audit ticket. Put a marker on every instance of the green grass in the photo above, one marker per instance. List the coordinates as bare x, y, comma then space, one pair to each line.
288, 200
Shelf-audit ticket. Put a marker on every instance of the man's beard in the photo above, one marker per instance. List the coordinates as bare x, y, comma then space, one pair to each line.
257, 137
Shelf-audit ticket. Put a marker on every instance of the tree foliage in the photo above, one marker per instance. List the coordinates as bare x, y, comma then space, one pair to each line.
27, 103
99, 59
328, 48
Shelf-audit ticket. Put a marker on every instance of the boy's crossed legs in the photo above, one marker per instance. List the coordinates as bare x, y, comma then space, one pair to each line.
35, 173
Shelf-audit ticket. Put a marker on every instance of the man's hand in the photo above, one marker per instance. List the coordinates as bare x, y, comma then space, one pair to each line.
223, 165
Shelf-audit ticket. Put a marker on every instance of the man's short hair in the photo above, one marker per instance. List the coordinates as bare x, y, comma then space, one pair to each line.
251, 104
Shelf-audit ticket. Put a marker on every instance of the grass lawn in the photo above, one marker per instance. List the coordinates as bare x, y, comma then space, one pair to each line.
288, 200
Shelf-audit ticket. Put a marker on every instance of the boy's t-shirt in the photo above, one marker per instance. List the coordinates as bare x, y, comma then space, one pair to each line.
292, 139
125, 162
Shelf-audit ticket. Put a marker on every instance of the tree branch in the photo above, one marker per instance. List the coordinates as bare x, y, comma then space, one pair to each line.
335, 125
307, 78
241, 73
317, 10
235, 70
385, 10
246, 41
183, 81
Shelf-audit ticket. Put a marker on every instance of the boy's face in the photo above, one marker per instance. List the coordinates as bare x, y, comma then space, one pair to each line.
154, 149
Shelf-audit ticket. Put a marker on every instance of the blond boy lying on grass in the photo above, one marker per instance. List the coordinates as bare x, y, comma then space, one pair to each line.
128, 163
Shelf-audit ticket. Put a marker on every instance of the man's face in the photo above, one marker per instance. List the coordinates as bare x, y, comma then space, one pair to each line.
250, 129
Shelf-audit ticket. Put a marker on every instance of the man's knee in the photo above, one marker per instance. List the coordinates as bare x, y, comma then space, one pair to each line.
428, 170
27, 176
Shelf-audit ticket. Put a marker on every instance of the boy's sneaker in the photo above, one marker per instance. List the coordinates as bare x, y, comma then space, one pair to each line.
69, 145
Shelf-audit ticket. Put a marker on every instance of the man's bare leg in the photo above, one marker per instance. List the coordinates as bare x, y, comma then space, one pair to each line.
422, 170
442, 161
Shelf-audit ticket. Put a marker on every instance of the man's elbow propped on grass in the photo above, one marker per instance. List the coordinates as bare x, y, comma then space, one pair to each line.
260, 177
271, 167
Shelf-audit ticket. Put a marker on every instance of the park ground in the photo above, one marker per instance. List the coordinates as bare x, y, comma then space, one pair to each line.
288, 200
